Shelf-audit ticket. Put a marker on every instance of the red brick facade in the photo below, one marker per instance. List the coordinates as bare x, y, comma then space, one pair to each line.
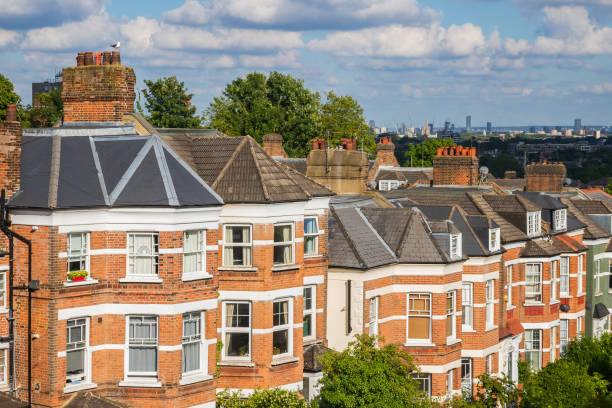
10, 152
545, 176
455, 166
273, 145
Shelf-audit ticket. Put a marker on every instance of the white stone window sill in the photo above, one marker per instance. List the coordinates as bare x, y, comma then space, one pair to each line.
581, 294
79, 387
237, 363
195, 276
283, 360
307, 341
533, 304
3, 310
420, 344
4, 387
554, 302
310, 256
598, 294
450, 342
467, 329
140, 383
194, 378
81, 283
238, 268
510, 307
141, 279
285, 267
489, 328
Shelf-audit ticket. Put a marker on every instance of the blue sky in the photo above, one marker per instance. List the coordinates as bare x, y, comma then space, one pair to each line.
512, 62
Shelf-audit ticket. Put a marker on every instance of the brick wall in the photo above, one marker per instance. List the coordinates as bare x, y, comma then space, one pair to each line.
273, 145
545, 176
385, 156
455, 166
10, 152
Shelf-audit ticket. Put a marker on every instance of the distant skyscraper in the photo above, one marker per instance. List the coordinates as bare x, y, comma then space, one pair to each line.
532, 129
577, 124
489, 127
447, 125
372, 124
468, 123
431, 128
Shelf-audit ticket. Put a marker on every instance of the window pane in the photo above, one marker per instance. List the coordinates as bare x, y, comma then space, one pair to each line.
282, 254
143, 359
237, 344
282, 233
280, 341
75, 362
281, 313
310, 226
418, 327
307, 298
238, 235
307, 332
310, 245
237, 315
191, 357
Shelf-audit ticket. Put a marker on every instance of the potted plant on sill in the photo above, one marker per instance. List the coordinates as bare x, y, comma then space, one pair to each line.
77, 276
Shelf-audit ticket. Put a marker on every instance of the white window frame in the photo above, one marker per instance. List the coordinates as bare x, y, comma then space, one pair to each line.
225, 330
285, 243
451, 313
4, 367
449, 382
203, 370
597, 285
419, 295
424, 379
509, 286
287, 326
489, 363
467, 375
314, 236
456, 251
467, 305
3, 291
135, 375
553, 343
84, 252
537, 295
229, 245
534, 223
579, 327
494, 239
132, 255
201, 251
86, 377
490, 303
534, 346
579, 286
373, 317
312, 311
560, 219
564, 276
563, 335
554, 279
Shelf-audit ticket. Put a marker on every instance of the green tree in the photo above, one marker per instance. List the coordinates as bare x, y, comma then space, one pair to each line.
342, 117
422, 154
609, 187
169, 104
491, 392
268, 398
256, 105
594, 354
500, 164
563, 384
46, 112
7, 96
364, 376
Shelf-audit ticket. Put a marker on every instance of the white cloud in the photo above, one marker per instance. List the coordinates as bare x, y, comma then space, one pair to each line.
287, 59
192, 12
136, 36
517, 91
399, 41
332, 81
224, 61
598, 89
40, 13
8, 37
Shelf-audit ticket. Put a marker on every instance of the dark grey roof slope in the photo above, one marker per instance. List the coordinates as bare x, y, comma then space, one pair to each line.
593, 230
542, 200
240, 171
600, 310
297, 164
592, 207
79, 167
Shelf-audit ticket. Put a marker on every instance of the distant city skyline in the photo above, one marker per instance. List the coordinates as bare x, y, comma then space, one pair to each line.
512, 62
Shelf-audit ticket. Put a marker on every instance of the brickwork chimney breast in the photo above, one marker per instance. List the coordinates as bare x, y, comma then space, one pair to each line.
456, 165
10, 152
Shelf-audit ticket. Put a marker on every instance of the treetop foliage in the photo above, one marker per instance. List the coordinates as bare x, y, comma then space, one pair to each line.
169, 104
7, 96
422, 154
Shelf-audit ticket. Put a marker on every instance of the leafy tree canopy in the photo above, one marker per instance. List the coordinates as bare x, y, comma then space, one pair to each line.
609, 187
593, 353
169, 104
256, 105
46, 112
7, 96
491, 392
364, 376
422, 154
500, 164
268, 398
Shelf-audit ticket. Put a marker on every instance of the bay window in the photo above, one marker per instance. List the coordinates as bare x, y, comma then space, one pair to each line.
580, 274
489, 364
419, 317
424, 381
450, 314
564, 273
78, 251
143, 254
237, 245
467, 305
142, 360
533, 348
310, 312
3, 366
193, 345
596, 278
373, 321
283, 244
563, 335
509, 286
533, 283
489, 303
194, 252
76, 351
236, 330
553, 343
553, 281
282, 330
311, 236
466, 375
449, 382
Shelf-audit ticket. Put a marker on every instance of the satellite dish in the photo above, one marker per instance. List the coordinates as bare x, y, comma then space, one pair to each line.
484, 170
567, 181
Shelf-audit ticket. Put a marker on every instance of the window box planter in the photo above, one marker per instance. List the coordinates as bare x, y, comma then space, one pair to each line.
77, 276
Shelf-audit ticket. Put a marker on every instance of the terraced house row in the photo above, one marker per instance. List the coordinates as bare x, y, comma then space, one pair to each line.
170, 264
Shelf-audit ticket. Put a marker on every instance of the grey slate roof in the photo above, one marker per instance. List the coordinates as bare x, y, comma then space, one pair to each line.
593, 206
96, 166
542, 200
295, 163
401, 175
597, 194
240, 171
369, 237
593, 230
538, 248
311, 357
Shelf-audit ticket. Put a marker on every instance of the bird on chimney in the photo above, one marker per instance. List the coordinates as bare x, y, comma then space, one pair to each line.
117, 45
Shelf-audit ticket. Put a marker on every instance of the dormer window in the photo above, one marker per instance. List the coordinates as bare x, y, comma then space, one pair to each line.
455, 246
494, 239
534, 222
560, 217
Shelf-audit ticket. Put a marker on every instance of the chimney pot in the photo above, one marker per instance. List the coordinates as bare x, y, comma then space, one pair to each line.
439, 151
11, 113
106, 58
544, 161
98, 58
80, 59
116, 58
89, 58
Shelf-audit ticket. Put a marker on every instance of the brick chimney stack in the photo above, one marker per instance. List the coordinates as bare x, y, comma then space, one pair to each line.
98, 88
545, 176
10, 152
273, 145
455, 165
385, 152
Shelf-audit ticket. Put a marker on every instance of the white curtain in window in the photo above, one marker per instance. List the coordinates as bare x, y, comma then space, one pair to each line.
192, 249
143, 251
75, 361
191, 357
143, 359
310, 226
